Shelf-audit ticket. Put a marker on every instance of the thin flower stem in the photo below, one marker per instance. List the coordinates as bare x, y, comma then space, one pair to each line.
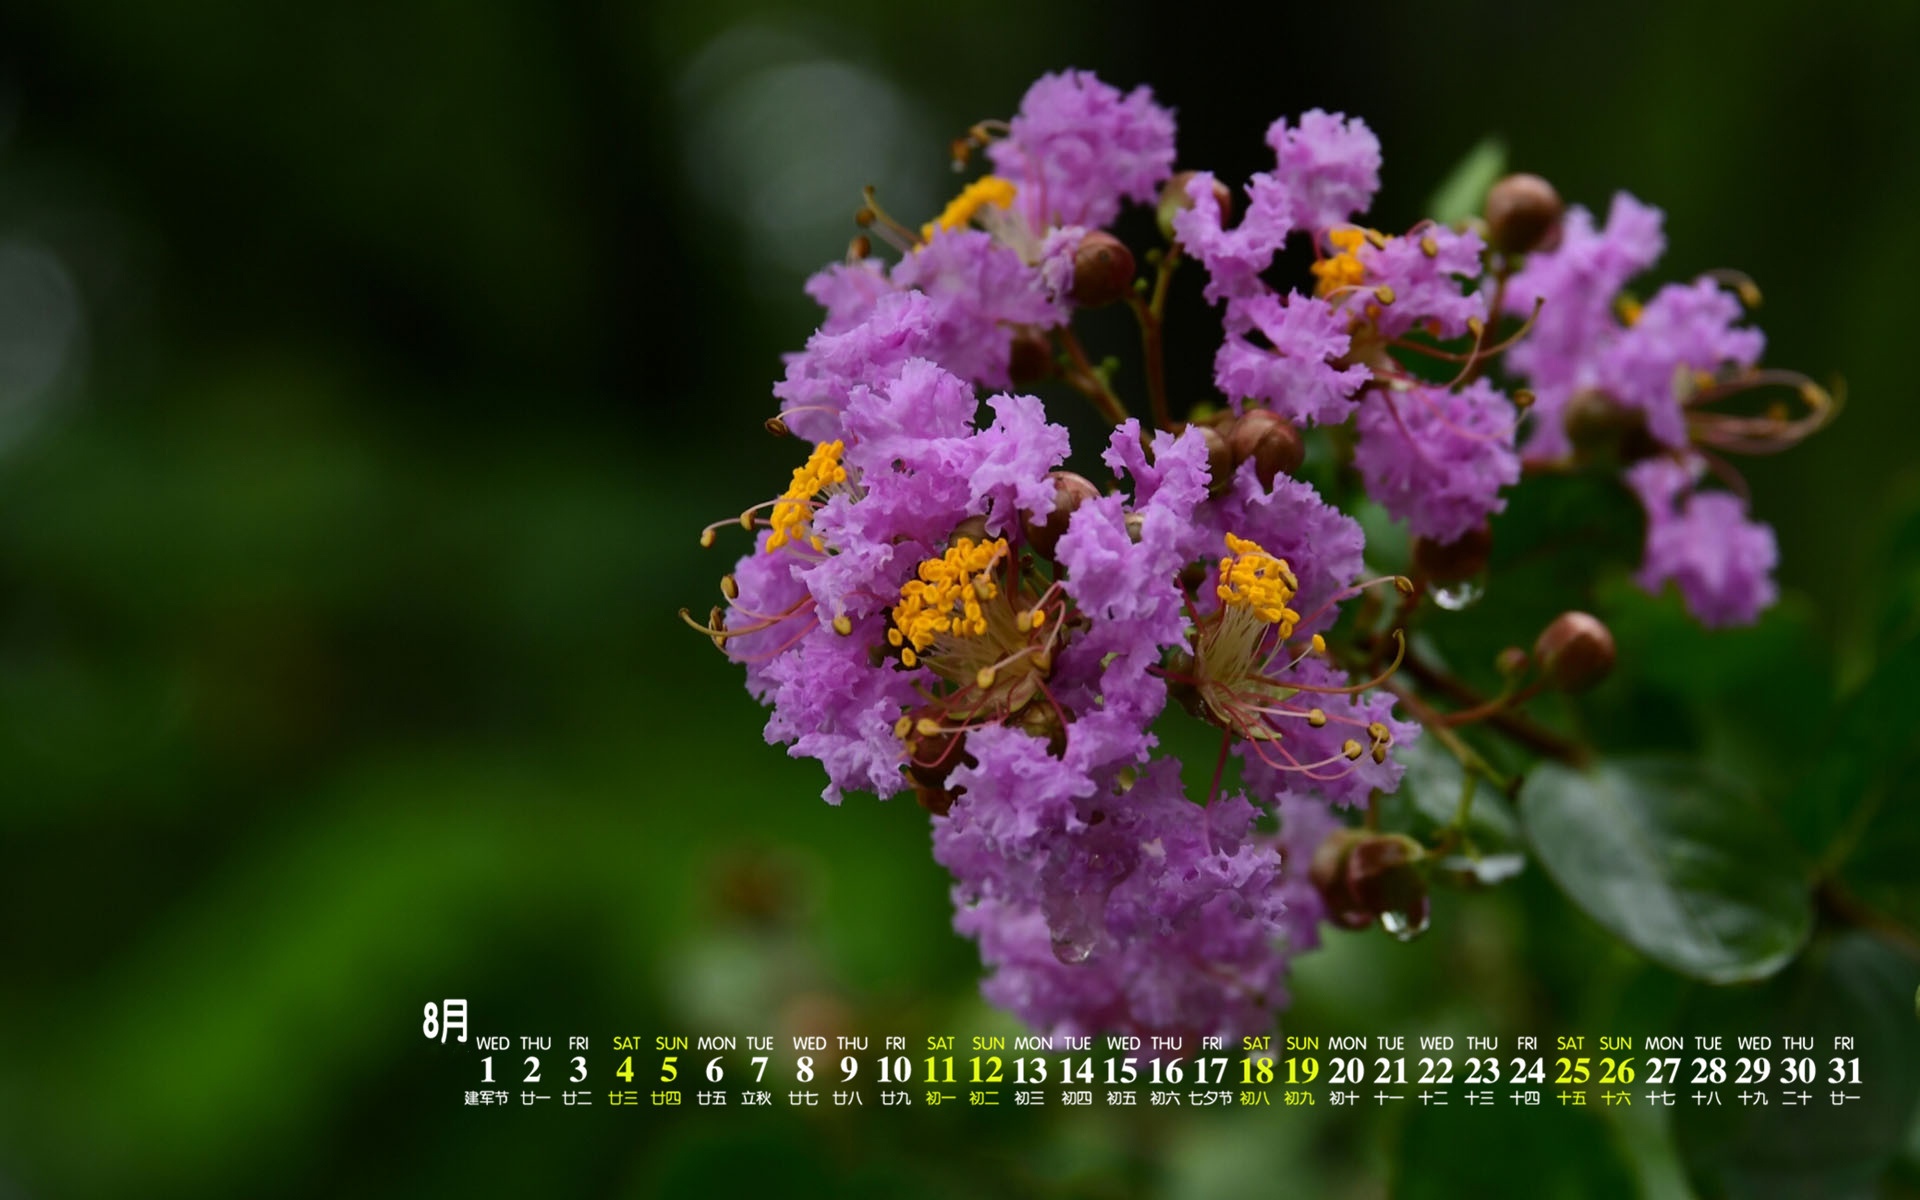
1151, 314
1847, 909
1088, 381
1153, 355
1479, 362
1220, 766
1533, 736
1456, 830
1469, 757
1507, 699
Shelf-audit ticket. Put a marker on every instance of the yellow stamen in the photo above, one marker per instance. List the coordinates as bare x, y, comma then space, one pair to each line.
793, 513
984, 191
945, 598
1629, 309
1341, 269
1252, 579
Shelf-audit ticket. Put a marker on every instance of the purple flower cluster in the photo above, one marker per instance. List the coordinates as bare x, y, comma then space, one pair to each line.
935, 603
1595, 355
1434, 457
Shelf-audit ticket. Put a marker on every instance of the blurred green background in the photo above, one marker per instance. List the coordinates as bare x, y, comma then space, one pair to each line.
366, 372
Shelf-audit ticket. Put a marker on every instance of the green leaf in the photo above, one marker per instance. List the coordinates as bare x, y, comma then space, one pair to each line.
1685, 867
1463, 192
1849, 810
1850, 986
1493, 1150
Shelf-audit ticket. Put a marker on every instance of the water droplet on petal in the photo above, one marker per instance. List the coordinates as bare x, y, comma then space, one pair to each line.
1455, 596
1405, 927
1071, 951
1074, 922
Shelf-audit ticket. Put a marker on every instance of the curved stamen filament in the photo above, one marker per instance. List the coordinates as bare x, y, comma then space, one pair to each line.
1349, 593
1399, 654
1768, 434
871, 215
1477, 354
1505, 433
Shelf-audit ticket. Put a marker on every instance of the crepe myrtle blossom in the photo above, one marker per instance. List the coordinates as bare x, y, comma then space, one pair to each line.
1610, 371
939, 602
1704, 542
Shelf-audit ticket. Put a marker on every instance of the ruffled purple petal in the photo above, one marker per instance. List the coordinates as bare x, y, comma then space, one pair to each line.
1438, 459
1078, 147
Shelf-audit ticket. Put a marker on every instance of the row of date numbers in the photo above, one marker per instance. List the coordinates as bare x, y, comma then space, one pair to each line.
1294, 1072
1572, 1072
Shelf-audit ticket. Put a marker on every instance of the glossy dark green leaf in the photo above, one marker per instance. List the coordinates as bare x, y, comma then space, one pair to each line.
1852, 986
1682, 865
1505, 1149
1851, 811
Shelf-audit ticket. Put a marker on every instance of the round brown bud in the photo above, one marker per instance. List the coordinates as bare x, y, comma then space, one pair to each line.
931, 757
1595, 424
1174, 199
1270, 440
1219, 456
1522, 212
1382, 877
1031, 357
1362, 875
1575, 651
1070, 491
938, 801
974, 529
1455, 561
1102, 270
1328, 874
1039, 720
1511, 661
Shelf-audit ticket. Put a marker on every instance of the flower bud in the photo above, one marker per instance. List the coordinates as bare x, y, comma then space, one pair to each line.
938, 801
1455, 561
1102, 270
1511, 661
1174, 199
1363, 875
1328, 874
1219, 457
1269, 440
932, 757
1575, 651
1596, 424
974, 529
1030, 359
1070, 491
1522, 212
1042, 720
